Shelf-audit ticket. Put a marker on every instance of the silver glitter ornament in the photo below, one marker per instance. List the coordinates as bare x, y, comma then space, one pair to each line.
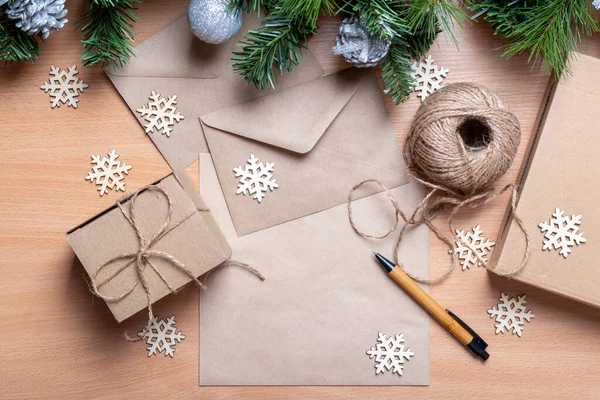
38, 16
357, 46
212, 22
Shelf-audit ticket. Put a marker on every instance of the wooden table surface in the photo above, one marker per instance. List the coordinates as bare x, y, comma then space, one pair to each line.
59, 341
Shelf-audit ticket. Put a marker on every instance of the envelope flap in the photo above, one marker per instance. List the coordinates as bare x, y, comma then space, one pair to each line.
174, 52
293, 119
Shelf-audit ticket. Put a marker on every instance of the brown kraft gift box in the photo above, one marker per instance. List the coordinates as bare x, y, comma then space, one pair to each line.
560, 170
190, 240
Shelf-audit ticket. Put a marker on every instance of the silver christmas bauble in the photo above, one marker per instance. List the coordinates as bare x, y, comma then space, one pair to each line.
38, 16
212, 21
357, 46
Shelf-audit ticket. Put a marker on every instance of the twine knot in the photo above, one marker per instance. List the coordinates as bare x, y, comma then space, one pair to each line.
143, 256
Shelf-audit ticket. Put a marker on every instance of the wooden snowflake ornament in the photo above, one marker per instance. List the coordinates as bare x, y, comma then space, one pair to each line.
471, 244
107, 172
511, 314
561, 232
390, 353
160, 114
161, 336
428, 77
64, 86
255, 178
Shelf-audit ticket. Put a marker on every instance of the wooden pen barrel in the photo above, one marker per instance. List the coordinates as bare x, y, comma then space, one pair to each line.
429, 304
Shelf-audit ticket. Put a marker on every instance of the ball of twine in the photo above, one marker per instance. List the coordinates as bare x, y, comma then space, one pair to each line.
463, 138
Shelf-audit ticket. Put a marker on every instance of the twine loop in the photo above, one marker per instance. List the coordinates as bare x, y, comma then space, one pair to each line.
463, 138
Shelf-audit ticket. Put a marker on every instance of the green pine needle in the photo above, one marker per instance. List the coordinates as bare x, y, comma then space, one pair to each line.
429, 17
546, 29
16, 45
108, 32
381, 17
396, 70
276, 46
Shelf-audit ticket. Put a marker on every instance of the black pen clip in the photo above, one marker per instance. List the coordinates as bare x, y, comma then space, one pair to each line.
477, 345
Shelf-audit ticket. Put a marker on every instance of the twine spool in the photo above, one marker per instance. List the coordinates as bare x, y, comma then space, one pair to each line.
463, 138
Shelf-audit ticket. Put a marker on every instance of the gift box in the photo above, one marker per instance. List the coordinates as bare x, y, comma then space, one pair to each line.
149, 245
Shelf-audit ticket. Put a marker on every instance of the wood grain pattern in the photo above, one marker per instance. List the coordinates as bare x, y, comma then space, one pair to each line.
58, 341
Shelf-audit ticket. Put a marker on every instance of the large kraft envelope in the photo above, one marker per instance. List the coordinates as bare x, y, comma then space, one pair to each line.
175, 62
323, 136
323, 303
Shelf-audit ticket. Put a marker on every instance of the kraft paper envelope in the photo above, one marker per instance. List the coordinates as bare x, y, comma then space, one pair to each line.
175, 62
323, 136
322, 304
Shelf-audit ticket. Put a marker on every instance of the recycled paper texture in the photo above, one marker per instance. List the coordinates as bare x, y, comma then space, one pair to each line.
197, 242
324, 300
323, 136
562, 171
175, 62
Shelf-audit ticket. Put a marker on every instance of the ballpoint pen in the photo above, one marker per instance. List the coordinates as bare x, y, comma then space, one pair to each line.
449, 320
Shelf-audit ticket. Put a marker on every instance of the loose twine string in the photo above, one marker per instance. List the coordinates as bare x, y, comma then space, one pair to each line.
141, 258
457, 175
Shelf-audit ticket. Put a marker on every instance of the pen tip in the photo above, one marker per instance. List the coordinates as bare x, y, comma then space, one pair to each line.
375, 254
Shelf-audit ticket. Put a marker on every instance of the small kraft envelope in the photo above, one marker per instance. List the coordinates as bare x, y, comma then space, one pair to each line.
324, 137
107, 245
174, 62
324, 300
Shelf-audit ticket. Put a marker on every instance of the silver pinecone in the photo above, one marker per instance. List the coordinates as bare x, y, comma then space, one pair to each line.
357, 46
38, 16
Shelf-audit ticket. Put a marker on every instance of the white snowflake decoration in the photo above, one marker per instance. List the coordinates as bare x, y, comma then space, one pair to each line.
160, 114
161, 336
108, 172
596, 4
511, 314
561, 232
255, 178
479, 243
64, 86
390, 353
428, 77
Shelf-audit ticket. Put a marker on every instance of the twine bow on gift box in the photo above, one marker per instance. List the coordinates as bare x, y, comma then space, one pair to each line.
141, 258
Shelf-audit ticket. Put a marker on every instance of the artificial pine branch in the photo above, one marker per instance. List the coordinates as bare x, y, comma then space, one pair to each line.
252, 5
278, 44
428, 17
381, 18
16, 45
108, 33
546, 29
396, 68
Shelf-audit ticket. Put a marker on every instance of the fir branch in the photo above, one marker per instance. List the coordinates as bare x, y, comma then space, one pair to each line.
305, 11
277, 45
381, 17
396, 71
428, 17
550, 30
249, 6
108, 33
16, 45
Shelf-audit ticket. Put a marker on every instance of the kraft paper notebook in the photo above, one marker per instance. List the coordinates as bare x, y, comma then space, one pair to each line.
561, 171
